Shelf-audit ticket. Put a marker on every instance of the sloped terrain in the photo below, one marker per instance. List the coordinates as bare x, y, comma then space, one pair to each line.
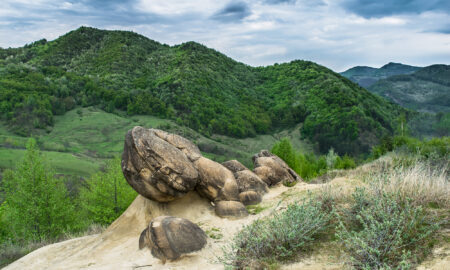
117, 247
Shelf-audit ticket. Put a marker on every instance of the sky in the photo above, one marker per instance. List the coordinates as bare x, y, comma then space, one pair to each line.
338, 34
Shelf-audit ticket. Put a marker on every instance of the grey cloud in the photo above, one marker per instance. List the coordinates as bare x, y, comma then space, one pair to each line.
276, 2
382, 8
309, 3
443, 29
232, 12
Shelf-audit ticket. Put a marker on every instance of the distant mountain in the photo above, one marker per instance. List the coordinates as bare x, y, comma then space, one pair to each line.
366, 76
196, 86
426, 90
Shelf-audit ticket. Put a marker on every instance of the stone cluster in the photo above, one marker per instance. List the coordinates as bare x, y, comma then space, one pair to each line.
163, 167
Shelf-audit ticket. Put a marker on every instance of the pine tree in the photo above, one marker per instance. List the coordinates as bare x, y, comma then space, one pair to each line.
107, 194
37, 205
286, 152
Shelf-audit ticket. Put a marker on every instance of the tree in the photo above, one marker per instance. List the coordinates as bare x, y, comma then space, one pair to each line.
36, 205
286, 152
107, 194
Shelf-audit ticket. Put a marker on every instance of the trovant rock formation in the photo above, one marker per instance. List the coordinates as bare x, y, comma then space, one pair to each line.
170, 237
251, 187
162, 167
272, 169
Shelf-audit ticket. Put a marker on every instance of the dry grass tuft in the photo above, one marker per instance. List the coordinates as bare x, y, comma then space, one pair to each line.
422, 183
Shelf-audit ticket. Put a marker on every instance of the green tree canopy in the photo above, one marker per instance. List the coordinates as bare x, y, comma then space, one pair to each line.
107, 194
36, 205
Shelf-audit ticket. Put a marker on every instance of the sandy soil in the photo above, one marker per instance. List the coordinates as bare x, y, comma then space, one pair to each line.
117, 247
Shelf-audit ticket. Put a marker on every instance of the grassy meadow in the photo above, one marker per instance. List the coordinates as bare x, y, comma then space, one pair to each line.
82, 139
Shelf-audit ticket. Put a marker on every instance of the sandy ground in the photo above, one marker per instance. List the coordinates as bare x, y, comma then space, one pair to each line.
117, 247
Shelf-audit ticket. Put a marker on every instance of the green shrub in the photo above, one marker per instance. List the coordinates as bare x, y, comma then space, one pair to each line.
345, 163
278, 237
386, 231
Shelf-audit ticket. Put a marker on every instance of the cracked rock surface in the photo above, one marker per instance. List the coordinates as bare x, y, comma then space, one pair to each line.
156, 168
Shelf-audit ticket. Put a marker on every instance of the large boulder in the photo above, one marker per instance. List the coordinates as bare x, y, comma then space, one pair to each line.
159, 165
170, 237
272, 169
251, 187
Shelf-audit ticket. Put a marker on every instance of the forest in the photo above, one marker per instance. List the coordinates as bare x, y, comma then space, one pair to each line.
123, 72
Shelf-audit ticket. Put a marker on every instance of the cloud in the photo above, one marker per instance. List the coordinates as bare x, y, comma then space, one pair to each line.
232, 12
293, 2
259, 32
382, 8
276, 2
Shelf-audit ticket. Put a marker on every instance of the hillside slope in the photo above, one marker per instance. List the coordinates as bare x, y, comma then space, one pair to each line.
367, 76
195, 86
117, 247
426, 90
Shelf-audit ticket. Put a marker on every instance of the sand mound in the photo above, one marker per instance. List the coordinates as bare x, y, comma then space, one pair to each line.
117, 247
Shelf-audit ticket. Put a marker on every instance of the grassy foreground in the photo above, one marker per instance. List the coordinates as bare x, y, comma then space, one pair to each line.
390, 214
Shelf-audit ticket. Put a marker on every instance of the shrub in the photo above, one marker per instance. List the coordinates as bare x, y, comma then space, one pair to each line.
386, 231
345, 163
278, 237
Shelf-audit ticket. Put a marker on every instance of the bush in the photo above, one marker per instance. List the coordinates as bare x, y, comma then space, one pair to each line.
345, 163
386, 231
278, 237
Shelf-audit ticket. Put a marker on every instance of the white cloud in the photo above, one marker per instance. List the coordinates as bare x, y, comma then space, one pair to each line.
326, 33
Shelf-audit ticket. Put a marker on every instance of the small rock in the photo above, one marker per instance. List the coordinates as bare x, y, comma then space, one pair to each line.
272, 169
170, 237
231, 209
216, 183
251, 187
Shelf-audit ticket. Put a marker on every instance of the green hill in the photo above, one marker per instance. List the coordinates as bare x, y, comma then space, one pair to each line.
190, 84
367, 76
426, 90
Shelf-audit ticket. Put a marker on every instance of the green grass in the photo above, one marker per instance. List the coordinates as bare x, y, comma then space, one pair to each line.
63, 163
84, 138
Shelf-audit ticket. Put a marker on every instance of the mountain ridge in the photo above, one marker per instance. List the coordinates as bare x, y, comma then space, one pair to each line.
196, 86
367, 76
426, 90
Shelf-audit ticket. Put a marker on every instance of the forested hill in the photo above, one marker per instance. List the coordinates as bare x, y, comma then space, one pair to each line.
190, 83
367, 76
426, 90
